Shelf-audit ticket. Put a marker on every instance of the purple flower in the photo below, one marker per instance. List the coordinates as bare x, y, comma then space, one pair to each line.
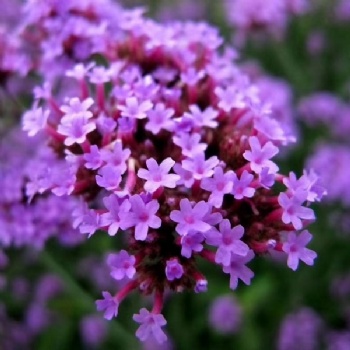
142, 216
307, 183
190, 144
295, 248
202, 118
173, 269
293, 211
157, 175
90, 222
77, 107
229, 98
79, 71
192, 76
201, 286
99, 75
35, 120
109, 305
160, 118
93, 159
225, 315
105, 124
109, 177
191, 242
238, 270
117, 157
259, 156
135, 109
63, 179
219, 185
151, 324
228, 242
186, 177
189, 218
117, 209
241, 187
122, 265
200, 167
76, 127
266, 178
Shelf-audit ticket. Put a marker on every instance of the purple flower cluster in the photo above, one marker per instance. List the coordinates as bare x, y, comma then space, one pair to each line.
324, 108
300, 330
328, 111
170, 142
23, 223
263, 15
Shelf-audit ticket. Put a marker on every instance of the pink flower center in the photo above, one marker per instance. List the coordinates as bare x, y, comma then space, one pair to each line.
144, 217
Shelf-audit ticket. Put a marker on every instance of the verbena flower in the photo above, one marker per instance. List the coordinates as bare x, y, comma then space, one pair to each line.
174, 145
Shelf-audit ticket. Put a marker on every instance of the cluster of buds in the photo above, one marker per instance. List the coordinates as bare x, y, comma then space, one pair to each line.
171, 143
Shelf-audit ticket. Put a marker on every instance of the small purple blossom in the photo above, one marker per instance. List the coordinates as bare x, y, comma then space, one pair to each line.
35, 120
99, 75
160, 118
238, 270
150, 325
93, 159
157, 175
109, 177
109, 305
200, 167
293, 211
105, 125
192, 76
190, 144
186, 177
117, 210
135, 109
173, 270
308, 182
201, 286
266, 178
202, 118
75, 128
76, 106
228, 241
142, 216
121, 265
219, 185
192, 242
241, 186
90, 222
295, 248
259, 156
229, 98
117, 156
79, 71
189, 218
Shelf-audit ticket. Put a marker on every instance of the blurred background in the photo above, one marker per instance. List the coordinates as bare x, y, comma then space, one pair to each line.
300, 58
